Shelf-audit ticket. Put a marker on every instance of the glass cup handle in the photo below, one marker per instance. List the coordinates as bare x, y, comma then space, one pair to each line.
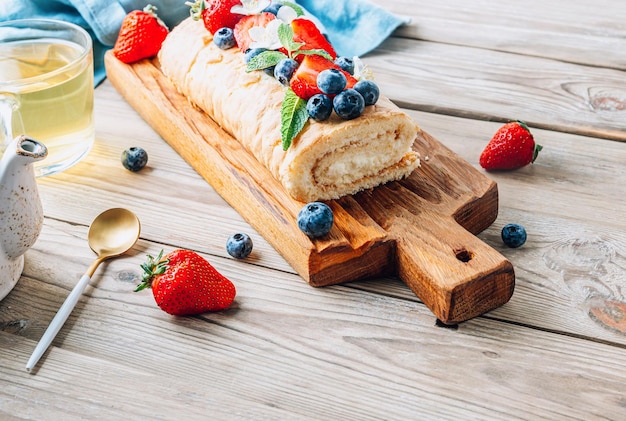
9, 104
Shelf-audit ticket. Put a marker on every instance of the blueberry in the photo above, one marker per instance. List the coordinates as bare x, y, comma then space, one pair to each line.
319, 107
252, 52
134, 159
331, 81
513, 235
224, 38
369, 90
315, 219
346, 63
284, 70
273, 8
349, 104
239, 245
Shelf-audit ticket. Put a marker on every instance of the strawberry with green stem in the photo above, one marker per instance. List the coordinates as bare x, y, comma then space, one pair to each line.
184, 283
215, 14
511, 147
141, 35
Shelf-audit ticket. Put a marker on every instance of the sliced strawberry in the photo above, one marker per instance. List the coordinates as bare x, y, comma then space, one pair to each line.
216, 14
304, 80
306, 32
246, 23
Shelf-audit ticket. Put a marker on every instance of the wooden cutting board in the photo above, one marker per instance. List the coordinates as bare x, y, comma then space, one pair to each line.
421, 229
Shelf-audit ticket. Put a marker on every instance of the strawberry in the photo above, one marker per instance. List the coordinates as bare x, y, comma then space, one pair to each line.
513, 146
304, 80
216, 14
305, 31
184, 283
140, 36
246, 23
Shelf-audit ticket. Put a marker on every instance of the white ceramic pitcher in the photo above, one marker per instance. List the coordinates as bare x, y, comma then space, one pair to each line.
21, 213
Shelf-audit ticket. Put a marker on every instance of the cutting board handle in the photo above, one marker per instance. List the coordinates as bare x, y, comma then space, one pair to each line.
451, 270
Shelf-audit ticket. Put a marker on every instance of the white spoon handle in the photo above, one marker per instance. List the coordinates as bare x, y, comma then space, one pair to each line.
58, 321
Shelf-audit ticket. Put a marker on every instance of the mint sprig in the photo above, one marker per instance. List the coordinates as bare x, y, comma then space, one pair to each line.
293, 112
285, 36
293, 115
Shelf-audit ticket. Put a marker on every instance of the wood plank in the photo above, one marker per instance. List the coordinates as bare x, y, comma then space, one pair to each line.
569, 274
198, 218
496, 86
284, 350
192, 215
580, 33
419, 228
570, 169
363, 350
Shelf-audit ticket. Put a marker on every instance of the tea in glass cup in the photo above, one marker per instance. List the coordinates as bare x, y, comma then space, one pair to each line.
46, 89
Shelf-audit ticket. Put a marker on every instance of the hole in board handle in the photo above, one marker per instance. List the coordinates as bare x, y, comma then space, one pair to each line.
464, 255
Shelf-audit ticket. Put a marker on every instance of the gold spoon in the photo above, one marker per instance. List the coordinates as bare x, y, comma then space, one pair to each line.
112, 233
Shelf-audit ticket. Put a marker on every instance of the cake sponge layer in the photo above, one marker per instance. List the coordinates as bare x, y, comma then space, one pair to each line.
327, 160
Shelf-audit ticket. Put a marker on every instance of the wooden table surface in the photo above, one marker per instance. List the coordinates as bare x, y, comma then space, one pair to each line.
366, 350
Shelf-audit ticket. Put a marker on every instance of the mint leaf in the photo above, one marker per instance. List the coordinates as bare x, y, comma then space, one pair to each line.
285, 36
264, 60
316, 52
293, 116
299, 10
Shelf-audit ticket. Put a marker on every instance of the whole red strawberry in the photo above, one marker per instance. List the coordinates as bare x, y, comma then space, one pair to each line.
184, 283
140, 36
513, 146
216, 14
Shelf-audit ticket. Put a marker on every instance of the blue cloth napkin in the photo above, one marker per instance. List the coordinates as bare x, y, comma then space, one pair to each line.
354, 27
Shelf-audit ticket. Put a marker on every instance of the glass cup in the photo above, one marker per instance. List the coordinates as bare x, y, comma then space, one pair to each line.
47, 89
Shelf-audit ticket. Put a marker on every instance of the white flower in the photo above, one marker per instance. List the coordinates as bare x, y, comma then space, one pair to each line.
266, 37
287, 14
361, 71
250, 7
